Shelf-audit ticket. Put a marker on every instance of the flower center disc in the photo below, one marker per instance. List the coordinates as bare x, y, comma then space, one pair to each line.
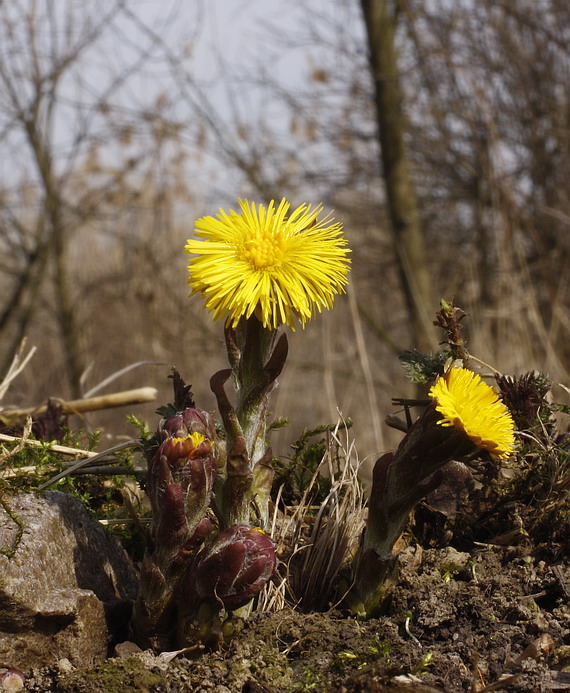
264, 252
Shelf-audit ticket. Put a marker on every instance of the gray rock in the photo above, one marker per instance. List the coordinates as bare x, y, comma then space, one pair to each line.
62, 579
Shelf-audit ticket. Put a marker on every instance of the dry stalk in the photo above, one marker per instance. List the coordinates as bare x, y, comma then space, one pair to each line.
62, 449
19, 362
134, 443
118, 374
87, 457
363, 357
21, 443
273, 596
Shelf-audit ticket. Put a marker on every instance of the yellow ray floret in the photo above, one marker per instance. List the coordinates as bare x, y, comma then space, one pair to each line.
194, 438
472, 406
265, 261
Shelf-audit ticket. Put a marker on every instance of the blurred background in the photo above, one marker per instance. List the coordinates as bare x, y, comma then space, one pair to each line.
437, 130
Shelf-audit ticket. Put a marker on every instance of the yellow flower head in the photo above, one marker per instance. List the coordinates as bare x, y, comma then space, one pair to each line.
475, 408
265, 261
194, 438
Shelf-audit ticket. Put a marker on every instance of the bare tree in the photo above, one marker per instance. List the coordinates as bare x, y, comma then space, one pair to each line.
59, 111
466, 111
490, 132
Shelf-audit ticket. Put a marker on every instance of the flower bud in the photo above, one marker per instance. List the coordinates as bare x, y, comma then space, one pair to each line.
186, 461
235, 566
185, 422
181, 477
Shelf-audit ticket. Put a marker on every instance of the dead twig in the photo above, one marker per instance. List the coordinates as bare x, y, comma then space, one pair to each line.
63, 449
80, 406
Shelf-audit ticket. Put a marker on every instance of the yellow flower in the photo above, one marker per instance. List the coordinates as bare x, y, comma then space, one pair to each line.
194, 438
475, 408
267, 262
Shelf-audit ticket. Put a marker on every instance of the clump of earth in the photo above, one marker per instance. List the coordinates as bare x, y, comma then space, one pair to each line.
491, 619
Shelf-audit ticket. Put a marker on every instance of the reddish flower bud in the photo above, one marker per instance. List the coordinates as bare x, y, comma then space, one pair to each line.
235, 566
181, 477
185, 422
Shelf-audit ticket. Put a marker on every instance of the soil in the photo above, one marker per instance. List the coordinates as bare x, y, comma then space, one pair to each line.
493, 619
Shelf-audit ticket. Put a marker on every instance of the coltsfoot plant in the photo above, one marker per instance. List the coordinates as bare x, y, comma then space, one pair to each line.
464, 415
208, 555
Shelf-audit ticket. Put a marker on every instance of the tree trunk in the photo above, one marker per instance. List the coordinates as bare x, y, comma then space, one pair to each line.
66, 319
380, 21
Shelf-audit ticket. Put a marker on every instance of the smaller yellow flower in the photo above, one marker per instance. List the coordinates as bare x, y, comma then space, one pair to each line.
472, 406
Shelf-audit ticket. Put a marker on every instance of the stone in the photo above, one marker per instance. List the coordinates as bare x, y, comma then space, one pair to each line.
11, 680
63, 581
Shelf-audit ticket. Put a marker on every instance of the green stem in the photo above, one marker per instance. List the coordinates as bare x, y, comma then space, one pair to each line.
256, 356
256, 344
400, 480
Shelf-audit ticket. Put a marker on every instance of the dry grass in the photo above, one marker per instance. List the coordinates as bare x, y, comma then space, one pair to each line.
315, 543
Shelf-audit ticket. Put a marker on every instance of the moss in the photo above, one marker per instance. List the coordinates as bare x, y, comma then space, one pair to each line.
18, 530
113, 676
561, 658
313, 680
272, 667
